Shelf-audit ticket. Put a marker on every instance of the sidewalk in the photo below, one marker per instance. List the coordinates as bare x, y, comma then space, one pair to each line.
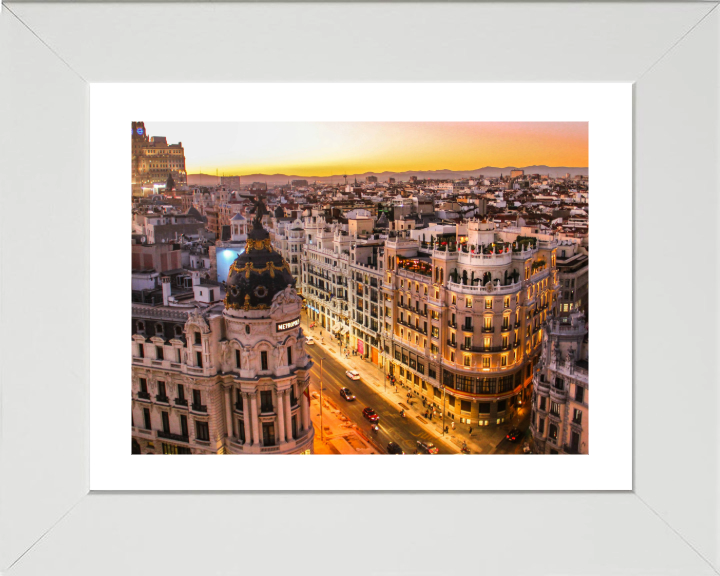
339, 435
482, 440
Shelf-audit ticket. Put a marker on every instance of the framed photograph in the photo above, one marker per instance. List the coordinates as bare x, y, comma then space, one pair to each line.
220, 361
631, 89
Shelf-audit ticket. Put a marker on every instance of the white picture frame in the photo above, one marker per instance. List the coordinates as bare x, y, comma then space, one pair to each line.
607, 108
668, 523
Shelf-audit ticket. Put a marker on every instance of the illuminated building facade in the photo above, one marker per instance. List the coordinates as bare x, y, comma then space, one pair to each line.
153, 159
465, 320
324, 260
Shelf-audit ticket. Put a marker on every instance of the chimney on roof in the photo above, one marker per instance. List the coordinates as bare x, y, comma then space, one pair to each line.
166, 289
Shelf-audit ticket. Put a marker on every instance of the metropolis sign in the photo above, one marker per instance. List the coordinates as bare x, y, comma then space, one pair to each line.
287, 325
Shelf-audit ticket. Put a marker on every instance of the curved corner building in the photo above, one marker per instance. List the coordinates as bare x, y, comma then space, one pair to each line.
468, 313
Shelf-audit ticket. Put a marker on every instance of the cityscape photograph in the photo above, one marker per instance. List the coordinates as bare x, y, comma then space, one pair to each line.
360, 288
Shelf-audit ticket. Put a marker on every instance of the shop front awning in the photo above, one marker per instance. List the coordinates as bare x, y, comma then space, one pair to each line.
346, 329
337, 327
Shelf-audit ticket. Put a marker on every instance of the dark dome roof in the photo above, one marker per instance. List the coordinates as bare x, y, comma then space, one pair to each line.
279, 212
259, 273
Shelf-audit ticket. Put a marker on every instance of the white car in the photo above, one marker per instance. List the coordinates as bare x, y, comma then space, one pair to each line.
309, 341
353, 374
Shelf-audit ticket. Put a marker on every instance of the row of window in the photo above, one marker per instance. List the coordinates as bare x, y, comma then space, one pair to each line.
160, 328
202, 429
162, 394
264, 365
552, 436
413, 363
266, 398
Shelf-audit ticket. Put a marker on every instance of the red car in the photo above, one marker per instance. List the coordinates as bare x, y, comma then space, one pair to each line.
514, 435
369, 413
426, 447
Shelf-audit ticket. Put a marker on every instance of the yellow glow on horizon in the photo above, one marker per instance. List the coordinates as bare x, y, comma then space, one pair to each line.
326, 148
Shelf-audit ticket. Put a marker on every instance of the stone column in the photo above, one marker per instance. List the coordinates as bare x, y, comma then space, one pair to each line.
288, 415
228, 412
254, 418
280, 417
305, 407
246, 419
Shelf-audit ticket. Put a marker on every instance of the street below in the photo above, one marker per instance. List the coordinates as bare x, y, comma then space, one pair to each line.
404, 431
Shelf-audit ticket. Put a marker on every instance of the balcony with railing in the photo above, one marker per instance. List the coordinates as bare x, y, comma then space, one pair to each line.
487, 348
488, 329
497, 289
181, 402
467, 327
558, 394
420, 277
162, 398
199, 408
143, 395
175, 437
452, 324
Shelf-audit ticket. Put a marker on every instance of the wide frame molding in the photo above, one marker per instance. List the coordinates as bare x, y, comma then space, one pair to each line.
49, 53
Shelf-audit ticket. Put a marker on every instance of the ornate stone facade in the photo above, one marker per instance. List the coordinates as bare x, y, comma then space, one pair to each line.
225, 379
559, 420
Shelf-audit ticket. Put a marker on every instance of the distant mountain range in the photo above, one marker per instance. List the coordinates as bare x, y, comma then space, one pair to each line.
492, 171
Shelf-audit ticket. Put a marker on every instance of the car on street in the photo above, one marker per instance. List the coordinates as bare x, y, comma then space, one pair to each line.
394, 448
426, 447
309, 340
345, 393
514, 435
352, 374
370, 414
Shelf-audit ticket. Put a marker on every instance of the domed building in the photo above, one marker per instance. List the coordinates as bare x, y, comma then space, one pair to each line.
235, 377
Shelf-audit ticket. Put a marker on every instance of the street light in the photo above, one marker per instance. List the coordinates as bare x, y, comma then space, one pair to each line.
322, 429
384, 359
443, 422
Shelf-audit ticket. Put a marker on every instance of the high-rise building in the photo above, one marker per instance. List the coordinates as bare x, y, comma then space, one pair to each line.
559, 417
226, 377
153, 159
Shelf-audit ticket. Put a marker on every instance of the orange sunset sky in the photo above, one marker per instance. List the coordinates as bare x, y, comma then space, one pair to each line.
330, 148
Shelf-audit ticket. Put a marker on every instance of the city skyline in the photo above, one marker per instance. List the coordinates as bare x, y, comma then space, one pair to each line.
322, 149
394, 316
